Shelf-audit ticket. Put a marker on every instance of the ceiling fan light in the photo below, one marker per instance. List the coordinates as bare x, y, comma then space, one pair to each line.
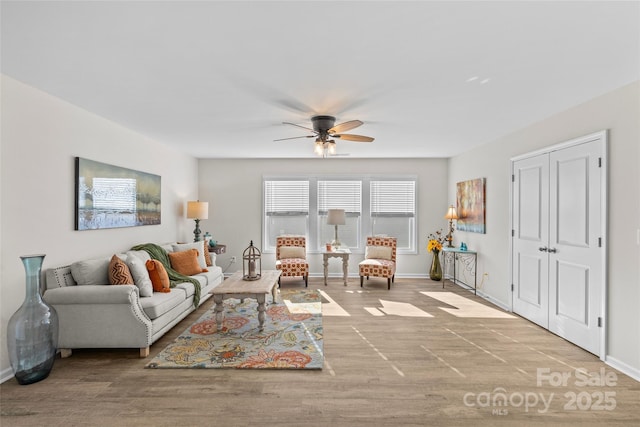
332, 147
319, 148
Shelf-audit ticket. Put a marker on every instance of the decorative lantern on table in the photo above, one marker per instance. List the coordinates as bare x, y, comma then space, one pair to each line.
251, 263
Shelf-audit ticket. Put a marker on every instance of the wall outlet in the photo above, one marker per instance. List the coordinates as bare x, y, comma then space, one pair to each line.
233, 259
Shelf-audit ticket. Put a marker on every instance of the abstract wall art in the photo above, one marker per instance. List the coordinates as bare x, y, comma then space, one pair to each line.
470, 204
109, 196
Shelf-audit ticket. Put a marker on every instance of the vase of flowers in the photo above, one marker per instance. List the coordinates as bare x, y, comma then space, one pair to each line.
435, 246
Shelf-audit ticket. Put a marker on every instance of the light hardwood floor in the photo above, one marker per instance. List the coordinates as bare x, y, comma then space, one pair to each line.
383, 370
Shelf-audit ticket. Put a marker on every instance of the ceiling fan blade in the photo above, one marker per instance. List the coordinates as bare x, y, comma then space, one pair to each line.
294, 137
306, 128
343, 127
355, 138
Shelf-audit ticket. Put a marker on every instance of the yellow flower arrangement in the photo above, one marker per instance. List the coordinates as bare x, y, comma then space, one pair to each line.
434, 246
435, 241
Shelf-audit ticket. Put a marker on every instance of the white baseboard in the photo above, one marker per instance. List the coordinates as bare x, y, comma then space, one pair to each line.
623, 367
6, 375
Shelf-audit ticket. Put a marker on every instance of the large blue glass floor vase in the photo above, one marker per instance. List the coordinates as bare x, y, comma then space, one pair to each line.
32, 332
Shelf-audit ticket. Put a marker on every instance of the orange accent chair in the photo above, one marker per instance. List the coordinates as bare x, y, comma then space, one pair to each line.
291, 257
380, 259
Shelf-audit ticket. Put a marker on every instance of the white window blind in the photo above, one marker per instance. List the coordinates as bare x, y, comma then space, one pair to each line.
283, 198
345, 195
393, 199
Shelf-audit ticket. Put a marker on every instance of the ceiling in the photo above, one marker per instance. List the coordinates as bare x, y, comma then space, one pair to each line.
217, 79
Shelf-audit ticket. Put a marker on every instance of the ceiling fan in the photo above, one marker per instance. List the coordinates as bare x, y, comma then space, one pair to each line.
326, 131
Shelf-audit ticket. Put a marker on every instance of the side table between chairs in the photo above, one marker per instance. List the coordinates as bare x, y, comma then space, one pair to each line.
340, 253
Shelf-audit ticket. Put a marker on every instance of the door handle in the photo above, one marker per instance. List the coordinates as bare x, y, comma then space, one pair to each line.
552, 250
543, 249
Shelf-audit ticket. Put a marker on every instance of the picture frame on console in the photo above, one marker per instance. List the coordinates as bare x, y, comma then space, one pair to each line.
109, 196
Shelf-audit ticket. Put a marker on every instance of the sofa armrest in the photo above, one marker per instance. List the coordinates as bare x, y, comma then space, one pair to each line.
100, 316
93, 294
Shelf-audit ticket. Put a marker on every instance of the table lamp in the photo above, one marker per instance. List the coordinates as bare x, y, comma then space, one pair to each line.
197, 210
451, 215
336, 217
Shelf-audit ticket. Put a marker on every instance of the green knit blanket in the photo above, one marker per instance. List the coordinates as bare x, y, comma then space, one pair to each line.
156, 252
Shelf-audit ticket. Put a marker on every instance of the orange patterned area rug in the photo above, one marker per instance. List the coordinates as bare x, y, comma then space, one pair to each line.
291, 339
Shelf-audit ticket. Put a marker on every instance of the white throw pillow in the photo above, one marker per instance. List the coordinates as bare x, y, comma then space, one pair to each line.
91, 271
140, 274
378, 252
199, 246
292, 252
142, 255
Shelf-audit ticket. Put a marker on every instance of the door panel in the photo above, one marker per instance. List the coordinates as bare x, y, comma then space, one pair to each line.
531, 230
575, 268
572, 212
530, 280
572, 292
530, 216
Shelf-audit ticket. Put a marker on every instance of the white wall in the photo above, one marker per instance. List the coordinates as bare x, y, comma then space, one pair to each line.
619, 112
233, 189
40, 137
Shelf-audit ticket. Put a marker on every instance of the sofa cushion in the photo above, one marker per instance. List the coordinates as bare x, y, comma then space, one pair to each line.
140, 274
208, 281
185, 262
119, 273
158, 275
161, 303
91, 271
199, 246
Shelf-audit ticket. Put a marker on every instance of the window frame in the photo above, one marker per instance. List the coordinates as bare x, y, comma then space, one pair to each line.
315, 246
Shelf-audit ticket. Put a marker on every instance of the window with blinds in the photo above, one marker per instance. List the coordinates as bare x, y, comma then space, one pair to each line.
286, 198
393, 198
393, 210
345, 195
373, 206
286, 209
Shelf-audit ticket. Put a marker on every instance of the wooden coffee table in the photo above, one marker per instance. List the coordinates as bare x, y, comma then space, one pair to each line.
235, 287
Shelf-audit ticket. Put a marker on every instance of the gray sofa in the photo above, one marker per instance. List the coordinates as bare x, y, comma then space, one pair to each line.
94, 314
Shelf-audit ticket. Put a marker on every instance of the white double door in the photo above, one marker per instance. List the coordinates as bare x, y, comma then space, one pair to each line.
557, 248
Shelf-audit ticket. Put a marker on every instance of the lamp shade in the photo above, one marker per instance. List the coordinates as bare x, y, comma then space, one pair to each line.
198, 210
336, 217
451, 213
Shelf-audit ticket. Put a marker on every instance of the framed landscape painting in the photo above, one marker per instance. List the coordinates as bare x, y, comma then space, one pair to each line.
109, 196
470, 204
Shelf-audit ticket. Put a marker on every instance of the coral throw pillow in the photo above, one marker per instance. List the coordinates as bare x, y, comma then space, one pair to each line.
186, 262
119, 273
158, 275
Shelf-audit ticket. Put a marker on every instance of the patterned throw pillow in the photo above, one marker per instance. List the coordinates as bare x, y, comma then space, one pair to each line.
186, 262
119, 273
158, 275
207, 256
